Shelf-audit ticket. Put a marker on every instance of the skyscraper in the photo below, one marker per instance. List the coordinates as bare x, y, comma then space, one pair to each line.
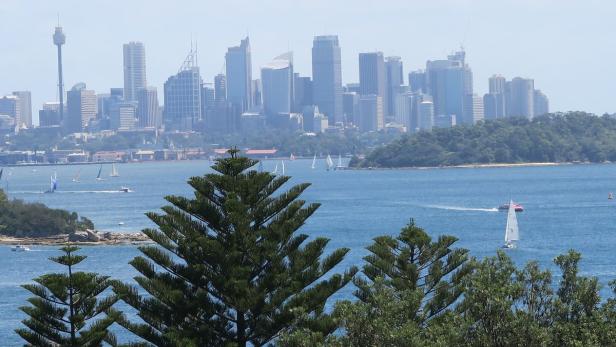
134, 70
327, 77
25, 108
239, 76
521, 97
474, 108
371, 116
50, 114
495, 101
425, 115
417, 81
122, 115
350, 102
148, 115
182, 95
449, 82
59, 39
220, 88
81, 108
541, 103
10, 106
372, 77
277, 82
302, 94
394, 80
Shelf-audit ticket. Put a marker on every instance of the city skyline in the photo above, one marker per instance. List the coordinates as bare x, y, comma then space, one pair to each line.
165, 49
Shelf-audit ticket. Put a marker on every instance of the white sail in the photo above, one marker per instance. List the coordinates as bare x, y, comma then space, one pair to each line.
330, 162
339, 161
275, 170
314, 162
114, 171
511, 230
282, 162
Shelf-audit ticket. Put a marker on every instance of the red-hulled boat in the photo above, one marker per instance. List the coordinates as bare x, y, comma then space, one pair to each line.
516, 207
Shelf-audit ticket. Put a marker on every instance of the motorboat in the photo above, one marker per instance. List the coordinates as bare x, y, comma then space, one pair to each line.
516, 207
20, 248
125, 189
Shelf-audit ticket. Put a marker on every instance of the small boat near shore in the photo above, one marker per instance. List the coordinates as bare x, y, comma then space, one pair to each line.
124, 189
20, 248
516, 207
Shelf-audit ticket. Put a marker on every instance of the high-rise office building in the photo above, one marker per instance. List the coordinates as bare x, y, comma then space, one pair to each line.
425, 115
182, 95
372, 77
122, 115
50, 114
327, 77
148, 115
350, 107
81, 106
417, 81
220, 87
25, 108
134, 70
302, 92
449, 82
277, 82
394, 80
371, 116
541, 103
495, 101
239, 76
496, 84
10, 106
474, 108
521, 94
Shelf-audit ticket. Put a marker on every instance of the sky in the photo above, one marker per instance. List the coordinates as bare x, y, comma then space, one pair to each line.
566, 46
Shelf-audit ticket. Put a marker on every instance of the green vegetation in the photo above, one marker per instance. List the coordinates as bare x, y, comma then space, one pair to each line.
570, 137
22, 219
231, 269
65, 309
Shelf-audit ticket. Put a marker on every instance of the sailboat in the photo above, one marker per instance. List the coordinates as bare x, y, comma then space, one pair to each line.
282, 162
76, 178
100, 170
329, 162
339, 166
275, 172
512, 233
114, 171
314, 162
292, 157
53, 185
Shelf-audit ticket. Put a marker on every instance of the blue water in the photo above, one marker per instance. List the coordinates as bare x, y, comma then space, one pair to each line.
566, 207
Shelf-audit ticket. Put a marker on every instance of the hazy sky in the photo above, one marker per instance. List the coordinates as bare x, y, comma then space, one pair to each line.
568, 47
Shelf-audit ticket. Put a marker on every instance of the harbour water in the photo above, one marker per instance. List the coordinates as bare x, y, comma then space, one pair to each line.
566, 207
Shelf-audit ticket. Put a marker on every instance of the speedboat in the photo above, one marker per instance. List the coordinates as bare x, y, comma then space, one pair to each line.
516, 207
125, 189
20, 248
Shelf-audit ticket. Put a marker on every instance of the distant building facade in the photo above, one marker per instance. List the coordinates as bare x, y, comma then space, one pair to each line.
148, 115
371, 115
372, 77
81, 107
239, 75
182, 95
327, 77
134, 70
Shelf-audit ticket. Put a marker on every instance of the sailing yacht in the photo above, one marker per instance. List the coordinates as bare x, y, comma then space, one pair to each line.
114, 171
329, 162
100, 170
76, 178
339, 166
292, 157
282, 162
53, 184
275, 172
512, 234
314, 162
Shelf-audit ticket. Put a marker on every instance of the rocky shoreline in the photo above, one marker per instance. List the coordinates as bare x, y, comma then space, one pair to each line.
82, 238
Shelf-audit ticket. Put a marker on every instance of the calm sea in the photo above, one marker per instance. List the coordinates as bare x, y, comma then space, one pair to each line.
566, 207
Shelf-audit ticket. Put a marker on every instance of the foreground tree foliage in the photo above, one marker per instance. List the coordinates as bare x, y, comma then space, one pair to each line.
228, 268
574, 136
65, 310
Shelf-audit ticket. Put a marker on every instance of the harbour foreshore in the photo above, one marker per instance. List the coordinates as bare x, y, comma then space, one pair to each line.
106, 239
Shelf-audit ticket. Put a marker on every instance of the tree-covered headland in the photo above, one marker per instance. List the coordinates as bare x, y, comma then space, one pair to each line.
554, 138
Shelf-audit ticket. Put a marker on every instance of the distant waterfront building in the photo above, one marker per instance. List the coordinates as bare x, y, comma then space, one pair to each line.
25, 108
444, 121
277, 82
239, 75
319, 123
327, 77
350, 103
521, 97
394, 80
50, 114
134, 70
372, 77
122, 116
148, 115
426, 115
371, 116
417, 81
497, 84
182, 95
81, 106
11, 106
541, 103
402, 110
